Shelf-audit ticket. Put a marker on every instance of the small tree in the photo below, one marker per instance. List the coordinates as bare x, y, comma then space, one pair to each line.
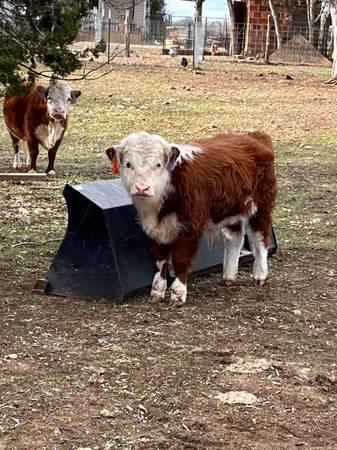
157, 9
34, 32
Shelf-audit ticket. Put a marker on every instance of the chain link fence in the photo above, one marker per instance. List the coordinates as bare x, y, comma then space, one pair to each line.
213, 37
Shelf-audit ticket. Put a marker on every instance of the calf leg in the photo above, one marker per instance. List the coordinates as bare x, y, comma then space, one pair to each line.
233, 241
159, 284
16, 147
51, 158
33, 147
25, 149
183, 253
259, 236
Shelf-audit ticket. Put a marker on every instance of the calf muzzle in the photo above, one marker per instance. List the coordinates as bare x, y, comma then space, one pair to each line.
142, 190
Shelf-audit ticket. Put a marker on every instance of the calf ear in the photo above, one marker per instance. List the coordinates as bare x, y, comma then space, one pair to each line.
111, 153
43, 91
74, 95
172, 162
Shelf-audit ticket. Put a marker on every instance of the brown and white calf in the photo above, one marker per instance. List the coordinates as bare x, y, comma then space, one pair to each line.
41, 117
221, 184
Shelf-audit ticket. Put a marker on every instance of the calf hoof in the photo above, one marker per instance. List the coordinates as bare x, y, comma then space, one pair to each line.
51, 173
155, 298
229, 281
32, 171
177, 299
178, 293
260, 279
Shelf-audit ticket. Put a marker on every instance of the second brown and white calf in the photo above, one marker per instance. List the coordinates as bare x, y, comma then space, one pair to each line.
223, 184
39, 118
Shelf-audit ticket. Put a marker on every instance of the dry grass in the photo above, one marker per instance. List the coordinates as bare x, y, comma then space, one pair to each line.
157, 370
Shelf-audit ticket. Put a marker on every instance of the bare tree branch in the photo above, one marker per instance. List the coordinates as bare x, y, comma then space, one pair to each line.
85, 76
36, 243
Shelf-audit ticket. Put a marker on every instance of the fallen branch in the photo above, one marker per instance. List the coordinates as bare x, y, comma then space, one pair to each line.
23, 176
332, 81
35, 243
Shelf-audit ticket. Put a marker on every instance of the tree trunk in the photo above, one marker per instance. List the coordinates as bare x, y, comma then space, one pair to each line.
333, 12
276, 23
199, 11
197, 26
127, 33
323, 27
311, 19
232, 45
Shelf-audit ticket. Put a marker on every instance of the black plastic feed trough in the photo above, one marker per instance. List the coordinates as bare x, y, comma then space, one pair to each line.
104, 253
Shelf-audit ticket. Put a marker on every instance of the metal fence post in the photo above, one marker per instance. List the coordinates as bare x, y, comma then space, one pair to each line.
164, 38
205, 40
193, 49
266, 54
109, 30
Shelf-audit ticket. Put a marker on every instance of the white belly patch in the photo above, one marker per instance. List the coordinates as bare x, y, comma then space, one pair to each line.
49, 134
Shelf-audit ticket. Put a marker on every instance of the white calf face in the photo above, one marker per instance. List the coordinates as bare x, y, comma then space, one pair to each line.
59, 98
146, 161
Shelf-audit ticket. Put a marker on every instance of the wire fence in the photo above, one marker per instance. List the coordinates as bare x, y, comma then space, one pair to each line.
179, 36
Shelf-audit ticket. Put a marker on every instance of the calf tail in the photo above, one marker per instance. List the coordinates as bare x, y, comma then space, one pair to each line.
262, 138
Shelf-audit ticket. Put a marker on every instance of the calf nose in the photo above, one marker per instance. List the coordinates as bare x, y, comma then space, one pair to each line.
59, 112
142, 188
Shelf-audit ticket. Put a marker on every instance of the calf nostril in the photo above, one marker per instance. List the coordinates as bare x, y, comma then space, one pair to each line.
142, 188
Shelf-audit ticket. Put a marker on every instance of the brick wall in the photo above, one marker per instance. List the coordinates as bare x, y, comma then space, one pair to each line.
256, 29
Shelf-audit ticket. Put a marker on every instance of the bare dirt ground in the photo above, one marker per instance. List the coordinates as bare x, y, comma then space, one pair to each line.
94, 375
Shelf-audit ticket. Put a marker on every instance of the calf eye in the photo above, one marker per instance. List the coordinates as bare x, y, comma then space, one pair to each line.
69, 99
158, 166
127, 165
